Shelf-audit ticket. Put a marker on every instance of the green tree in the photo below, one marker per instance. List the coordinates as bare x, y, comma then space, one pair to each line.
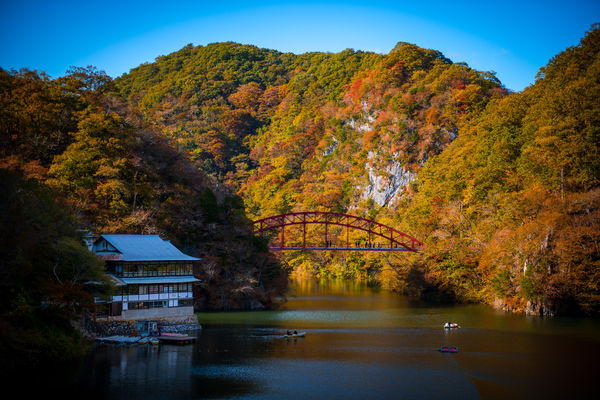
91, 171
46, 275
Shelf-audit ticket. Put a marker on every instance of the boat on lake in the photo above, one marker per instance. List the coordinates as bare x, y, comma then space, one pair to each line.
295, 335
451, 325
448, 349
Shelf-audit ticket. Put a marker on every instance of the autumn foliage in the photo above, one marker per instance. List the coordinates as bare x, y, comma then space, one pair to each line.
490, 180
502, 187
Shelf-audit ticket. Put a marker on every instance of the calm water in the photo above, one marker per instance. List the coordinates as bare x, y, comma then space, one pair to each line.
360, 344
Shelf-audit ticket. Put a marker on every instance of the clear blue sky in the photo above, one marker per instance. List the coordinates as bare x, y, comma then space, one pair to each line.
513, 38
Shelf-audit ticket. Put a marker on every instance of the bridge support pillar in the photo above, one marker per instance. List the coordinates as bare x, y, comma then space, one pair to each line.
304, 232
326, 226
347, 232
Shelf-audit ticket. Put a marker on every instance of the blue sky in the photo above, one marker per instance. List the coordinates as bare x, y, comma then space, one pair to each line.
512, 38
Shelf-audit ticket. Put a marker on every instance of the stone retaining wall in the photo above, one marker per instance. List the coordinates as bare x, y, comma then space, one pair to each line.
105, 328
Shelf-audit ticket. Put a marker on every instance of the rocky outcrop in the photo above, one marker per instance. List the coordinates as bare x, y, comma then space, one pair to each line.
538, 309
387, 182
331, 148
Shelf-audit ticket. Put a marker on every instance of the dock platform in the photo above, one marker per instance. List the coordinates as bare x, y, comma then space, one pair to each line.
166, 339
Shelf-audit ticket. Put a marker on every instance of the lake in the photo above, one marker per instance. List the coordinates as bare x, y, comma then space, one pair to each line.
360, 343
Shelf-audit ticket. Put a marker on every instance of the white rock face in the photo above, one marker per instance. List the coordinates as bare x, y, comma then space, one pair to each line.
331, 148
387, 184
367, 116
361, 127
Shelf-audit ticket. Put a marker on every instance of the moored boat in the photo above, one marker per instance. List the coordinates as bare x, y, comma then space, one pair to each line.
176, 339
119, 339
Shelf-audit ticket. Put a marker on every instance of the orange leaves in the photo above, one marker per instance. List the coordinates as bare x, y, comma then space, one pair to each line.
271, 97
370, 139
216, 146
367, 91
238, 123
433, 116
555, 250
248, 97
355, 92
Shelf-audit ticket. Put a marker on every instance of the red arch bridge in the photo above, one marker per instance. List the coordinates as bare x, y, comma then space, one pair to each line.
330, 234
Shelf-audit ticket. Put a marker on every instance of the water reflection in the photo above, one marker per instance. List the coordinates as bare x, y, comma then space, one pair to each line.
139, 371
361, 344
365, 335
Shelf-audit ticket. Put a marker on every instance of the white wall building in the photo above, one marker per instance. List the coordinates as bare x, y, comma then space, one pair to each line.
153, 278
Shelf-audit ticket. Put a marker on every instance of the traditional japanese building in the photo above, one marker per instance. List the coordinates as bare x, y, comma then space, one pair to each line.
153, 278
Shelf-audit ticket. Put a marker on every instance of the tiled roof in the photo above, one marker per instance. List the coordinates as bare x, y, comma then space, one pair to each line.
145, 248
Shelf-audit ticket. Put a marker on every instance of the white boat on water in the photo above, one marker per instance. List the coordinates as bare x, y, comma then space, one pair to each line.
295, 335
451, 325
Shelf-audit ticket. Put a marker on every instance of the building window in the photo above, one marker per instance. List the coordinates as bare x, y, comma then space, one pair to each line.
186, 302
140, 305
155, 289
131, 270
184, 287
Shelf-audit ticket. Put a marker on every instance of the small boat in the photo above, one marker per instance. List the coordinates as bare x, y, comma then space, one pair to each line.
448, 349
295, 335
154, 341
451, 325
144, 340
119, 339
176, 339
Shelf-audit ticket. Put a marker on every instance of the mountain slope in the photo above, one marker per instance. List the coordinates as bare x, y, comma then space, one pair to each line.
342, 132
410, 139
510, 208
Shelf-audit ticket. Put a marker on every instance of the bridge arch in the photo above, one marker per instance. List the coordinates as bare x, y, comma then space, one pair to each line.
393, 240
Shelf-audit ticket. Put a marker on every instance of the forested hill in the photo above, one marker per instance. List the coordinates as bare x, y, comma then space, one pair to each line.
501, 186
249, 113
74, 155
115, 174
